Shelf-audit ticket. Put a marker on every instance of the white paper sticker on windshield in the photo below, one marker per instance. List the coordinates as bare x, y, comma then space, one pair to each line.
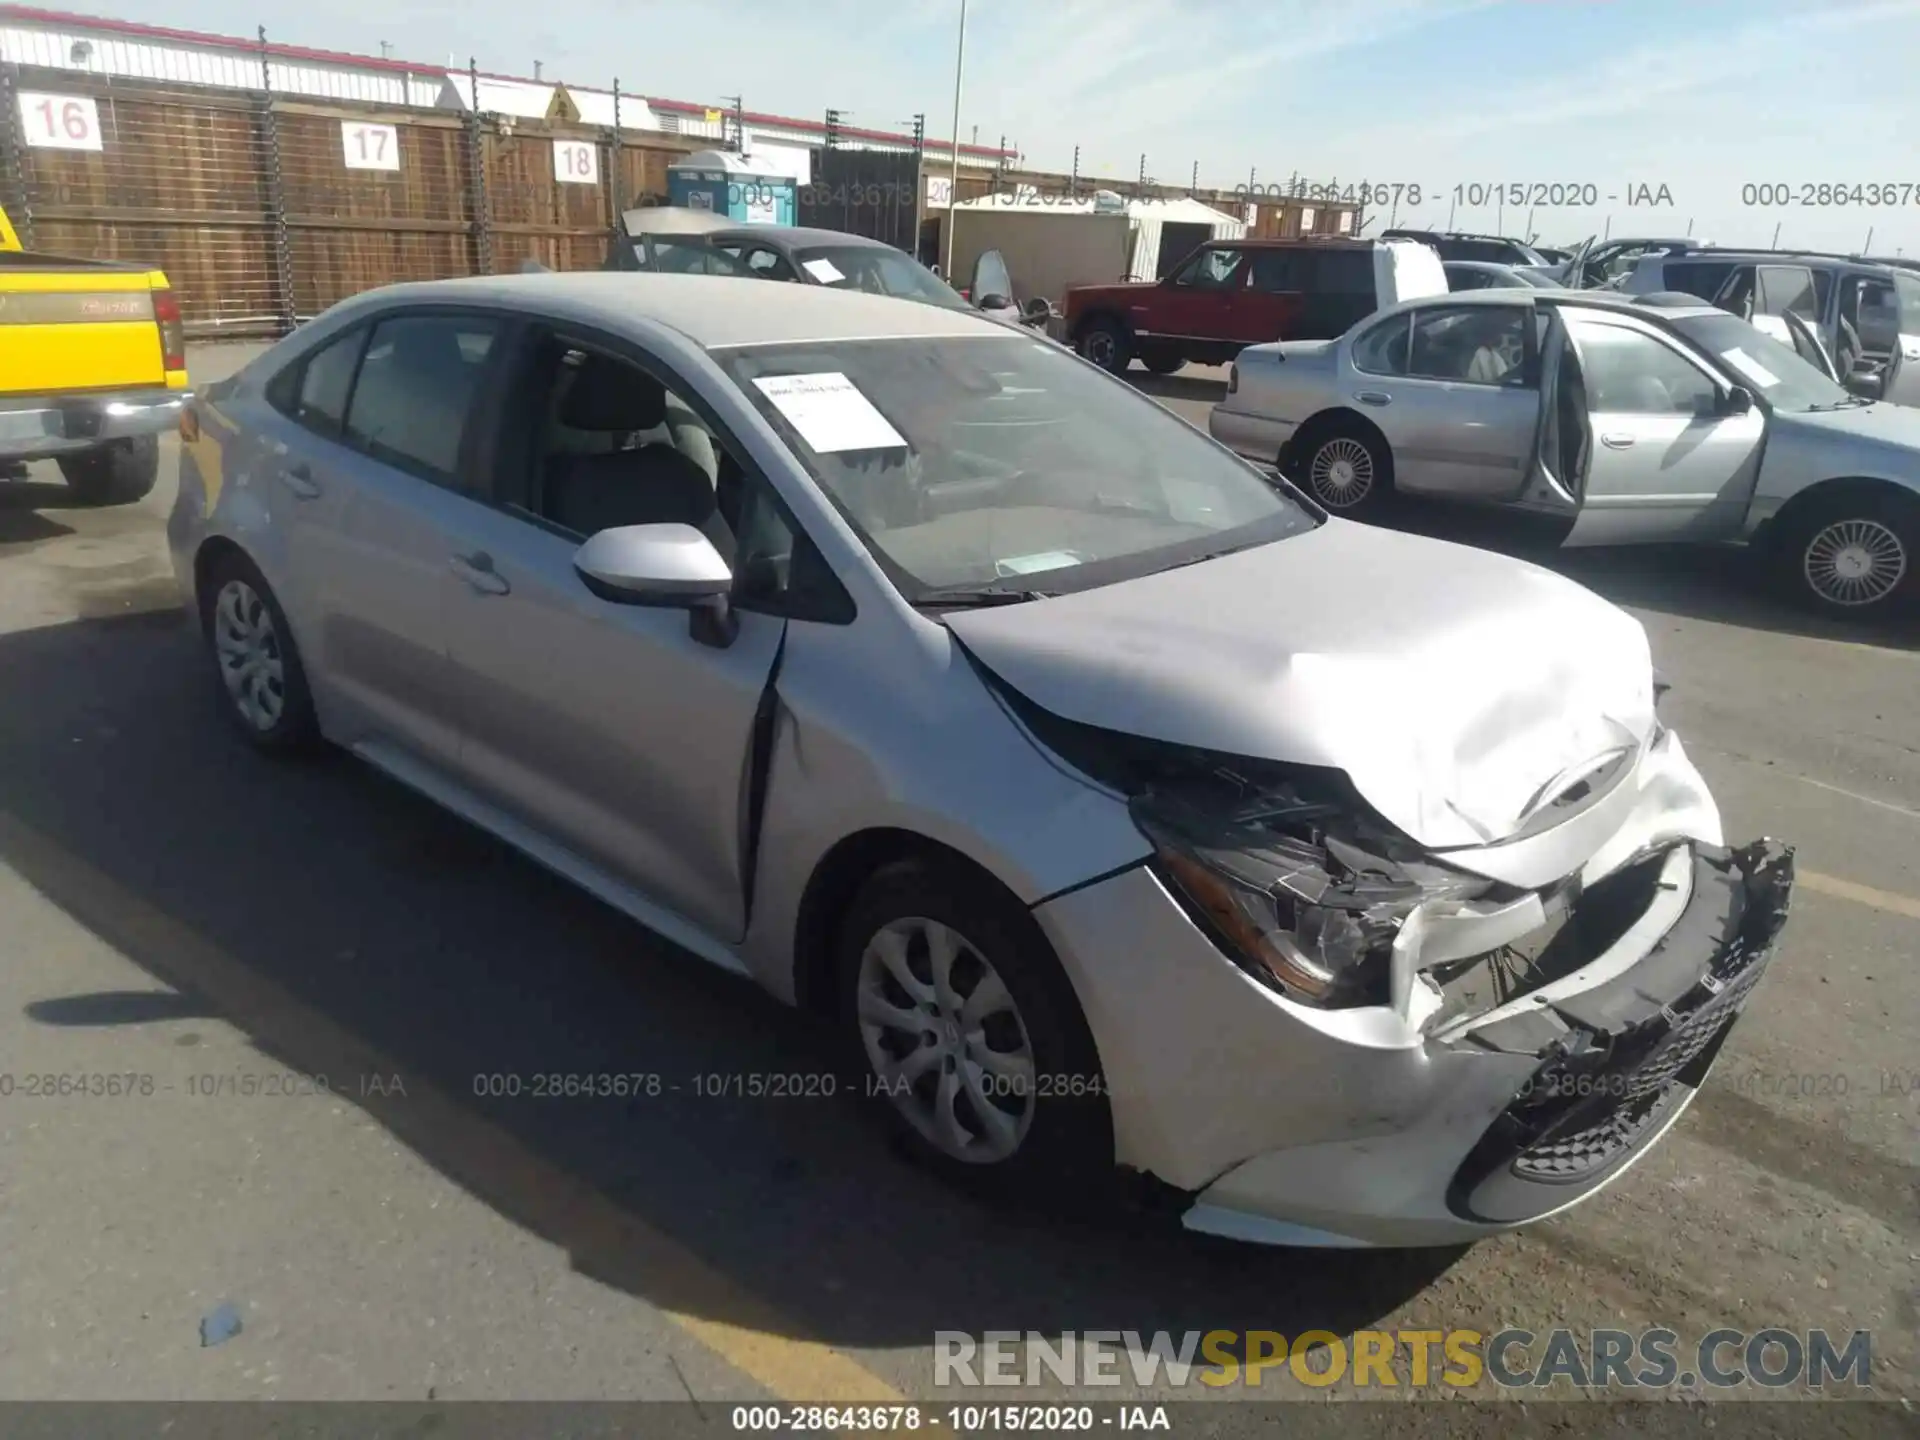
1034, 564
1751, 368
830, 412
825, 271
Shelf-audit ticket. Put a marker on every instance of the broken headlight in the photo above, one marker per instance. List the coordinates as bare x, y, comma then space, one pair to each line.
1298, 883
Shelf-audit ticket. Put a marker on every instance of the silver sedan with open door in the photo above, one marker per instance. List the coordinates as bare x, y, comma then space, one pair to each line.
1634, 419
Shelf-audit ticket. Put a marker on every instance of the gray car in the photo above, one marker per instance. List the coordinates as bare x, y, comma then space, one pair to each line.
1657, 418
1123, 813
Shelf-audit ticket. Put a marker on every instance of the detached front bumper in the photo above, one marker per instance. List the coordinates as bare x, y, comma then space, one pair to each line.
37, 427
1360, 1128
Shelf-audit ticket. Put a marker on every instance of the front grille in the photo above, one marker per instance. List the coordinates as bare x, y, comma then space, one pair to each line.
1597, 1097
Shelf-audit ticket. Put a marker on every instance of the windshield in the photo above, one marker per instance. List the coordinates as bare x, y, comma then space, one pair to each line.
1005, 463
879, 270
1759, 361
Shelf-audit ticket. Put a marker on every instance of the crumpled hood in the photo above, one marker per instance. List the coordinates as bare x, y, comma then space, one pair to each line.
1450, 684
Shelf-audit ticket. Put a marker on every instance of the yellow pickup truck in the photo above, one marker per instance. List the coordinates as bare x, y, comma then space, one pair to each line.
93, 368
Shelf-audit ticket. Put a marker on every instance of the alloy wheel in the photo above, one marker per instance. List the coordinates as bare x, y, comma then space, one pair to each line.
946, 1040
247, 645
1341, 475
1854, 562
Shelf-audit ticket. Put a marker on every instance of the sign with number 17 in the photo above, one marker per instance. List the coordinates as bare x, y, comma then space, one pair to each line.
369, 147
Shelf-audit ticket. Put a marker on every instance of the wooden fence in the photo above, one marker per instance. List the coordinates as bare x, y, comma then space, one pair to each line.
266, 209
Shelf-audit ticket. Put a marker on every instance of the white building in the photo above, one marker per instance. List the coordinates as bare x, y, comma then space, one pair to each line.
54, 40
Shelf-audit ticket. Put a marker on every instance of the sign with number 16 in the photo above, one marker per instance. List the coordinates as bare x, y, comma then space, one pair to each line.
59, 122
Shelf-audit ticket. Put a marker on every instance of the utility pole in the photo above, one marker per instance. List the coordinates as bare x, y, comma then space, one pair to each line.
1073, 184
739, 129
1193, 185
834, 117
953, 179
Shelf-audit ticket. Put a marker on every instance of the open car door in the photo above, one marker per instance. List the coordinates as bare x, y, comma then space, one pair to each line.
992, 289
1653, 446
1903, 370
1807, 346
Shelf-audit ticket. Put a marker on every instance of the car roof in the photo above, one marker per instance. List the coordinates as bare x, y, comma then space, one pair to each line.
713, 311
798, 235
1595, 299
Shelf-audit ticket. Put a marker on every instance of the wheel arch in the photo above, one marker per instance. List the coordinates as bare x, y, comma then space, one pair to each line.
214, 551
1100, 313
1825, 492
1334, 419
836, 881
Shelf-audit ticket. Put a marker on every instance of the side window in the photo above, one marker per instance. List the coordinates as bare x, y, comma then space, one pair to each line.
1906, 289
1347, 270
1277, 272
1630, 373
769, 264
1481, 344
314, 389
1737, 294
1694, 277
1786, 290
1461, 278
417, 388
1382, 350
614, 445
1211, 270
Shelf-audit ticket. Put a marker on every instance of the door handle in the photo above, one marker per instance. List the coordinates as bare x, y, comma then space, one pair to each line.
1617, 442
478, 572
1373, 397
299, 479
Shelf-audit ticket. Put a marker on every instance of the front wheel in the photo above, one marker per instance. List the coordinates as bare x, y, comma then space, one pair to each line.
1852, 556
970, 1038
116, 473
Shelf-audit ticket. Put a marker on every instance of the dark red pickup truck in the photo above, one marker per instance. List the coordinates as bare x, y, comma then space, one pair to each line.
1230, 294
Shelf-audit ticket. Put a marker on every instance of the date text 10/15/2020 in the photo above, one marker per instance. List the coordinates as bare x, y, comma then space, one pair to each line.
1470, 194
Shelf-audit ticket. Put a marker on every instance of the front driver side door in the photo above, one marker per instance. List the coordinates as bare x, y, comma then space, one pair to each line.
607, 728
1665, 458
1198, 301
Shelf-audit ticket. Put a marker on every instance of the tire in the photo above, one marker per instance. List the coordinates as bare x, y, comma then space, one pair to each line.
1162, 363
1107, 343
1347, 470
116, 473
1052, 1140
1852, 556
262, 686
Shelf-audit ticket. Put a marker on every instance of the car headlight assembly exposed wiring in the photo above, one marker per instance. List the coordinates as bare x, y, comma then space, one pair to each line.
1305, 892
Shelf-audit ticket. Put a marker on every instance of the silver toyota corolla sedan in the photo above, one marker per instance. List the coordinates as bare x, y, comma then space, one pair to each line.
1128, 815
1657, 418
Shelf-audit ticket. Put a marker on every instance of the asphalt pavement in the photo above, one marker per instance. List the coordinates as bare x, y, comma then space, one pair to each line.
307, 979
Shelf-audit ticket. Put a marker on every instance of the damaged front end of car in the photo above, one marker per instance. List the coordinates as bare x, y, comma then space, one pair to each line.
1558, 1024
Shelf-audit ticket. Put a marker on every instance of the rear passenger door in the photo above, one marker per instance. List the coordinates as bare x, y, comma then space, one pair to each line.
1273, 304
373, 499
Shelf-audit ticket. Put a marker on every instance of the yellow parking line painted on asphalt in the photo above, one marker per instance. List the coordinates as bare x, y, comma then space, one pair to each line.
604, 1240
1860, 894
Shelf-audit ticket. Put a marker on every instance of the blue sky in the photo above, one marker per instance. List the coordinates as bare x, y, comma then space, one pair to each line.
1703, 97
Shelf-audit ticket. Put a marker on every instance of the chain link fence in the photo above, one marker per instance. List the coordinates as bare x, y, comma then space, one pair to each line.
264, 210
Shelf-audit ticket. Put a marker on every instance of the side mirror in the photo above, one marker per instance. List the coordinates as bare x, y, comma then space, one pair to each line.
666, 566
1738, 401
1037, 310
991, 301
